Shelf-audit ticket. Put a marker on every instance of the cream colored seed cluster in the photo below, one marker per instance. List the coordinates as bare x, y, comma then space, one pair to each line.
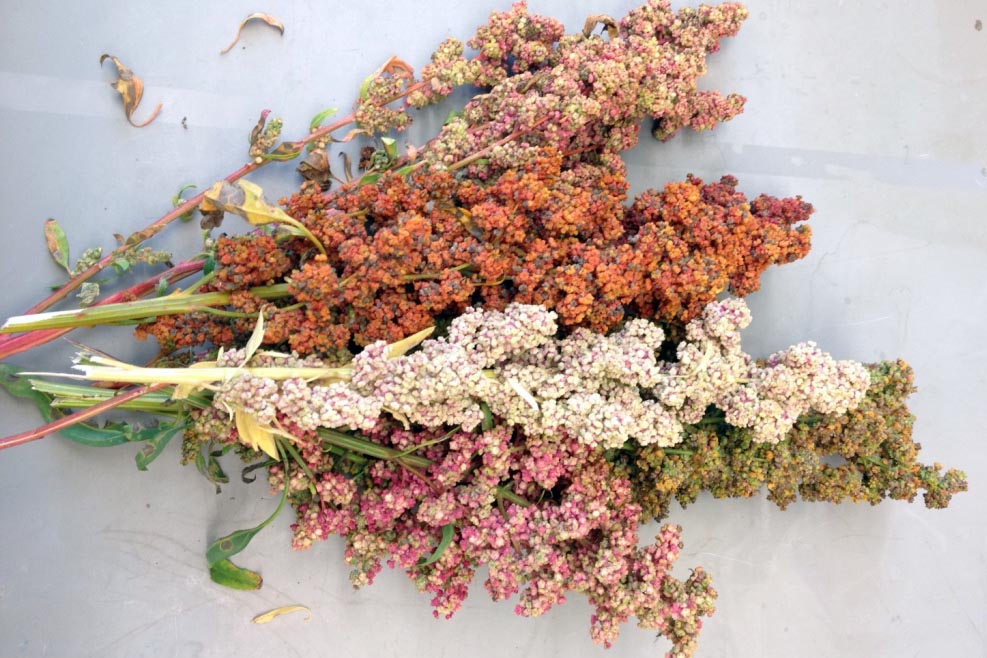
604, 390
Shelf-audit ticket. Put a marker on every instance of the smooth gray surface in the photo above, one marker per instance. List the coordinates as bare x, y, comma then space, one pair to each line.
872, 111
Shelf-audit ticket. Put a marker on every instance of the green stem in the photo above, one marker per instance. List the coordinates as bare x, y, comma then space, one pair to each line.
293, 451
77, 417
76, 396
377, 451
175, 304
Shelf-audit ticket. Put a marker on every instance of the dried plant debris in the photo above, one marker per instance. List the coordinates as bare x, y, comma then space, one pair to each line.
271, 615
256, 16
131, 88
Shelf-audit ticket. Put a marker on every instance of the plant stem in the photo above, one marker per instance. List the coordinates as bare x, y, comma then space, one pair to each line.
10, 345
77, 417
173, 304
189, 205
362, 446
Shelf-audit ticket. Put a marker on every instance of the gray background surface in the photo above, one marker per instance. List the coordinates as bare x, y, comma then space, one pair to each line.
873, 111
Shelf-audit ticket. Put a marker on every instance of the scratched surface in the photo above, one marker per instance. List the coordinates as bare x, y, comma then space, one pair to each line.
873, 111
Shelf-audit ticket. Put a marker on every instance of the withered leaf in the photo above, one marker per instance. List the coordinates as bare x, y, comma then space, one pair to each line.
58, 244
257, 16
270, 615
130, 88
600, 19
245, 199
347, 165
259, 128
395, 67
315, 168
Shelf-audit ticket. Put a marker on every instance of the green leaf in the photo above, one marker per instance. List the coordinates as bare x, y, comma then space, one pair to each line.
390, 147
228, 546
209, 266
58, 244
227, 574
156, 444
319, 118
448, 531
368, 179
121, 265
177, 200
283, 153
365, 85
112, 434
488, 419
162, 288
210, 468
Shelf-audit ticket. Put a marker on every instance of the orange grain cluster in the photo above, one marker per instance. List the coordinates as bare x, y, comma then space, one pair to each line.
406, 252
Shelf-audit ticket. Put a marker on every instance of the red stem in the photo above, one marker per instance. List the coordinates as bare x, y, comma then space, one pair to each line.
77, 417
154, 228
189, 205
15, 344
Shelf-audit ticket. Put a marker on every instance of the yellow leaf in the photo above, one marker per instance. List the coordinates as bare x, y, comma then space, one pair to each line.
257, 211
254, 434
269, 616
256, 338
403, 346
182, 391
246, 200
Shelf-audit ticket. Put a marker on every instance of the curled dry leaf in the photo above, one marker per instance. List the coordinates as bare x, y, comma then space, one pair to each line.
130, 88
315, 167
269, 616
257, 16
600, 19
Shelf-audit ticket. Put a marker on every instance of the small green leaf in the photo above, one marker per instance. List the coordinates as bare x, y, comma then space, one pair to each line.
227, 574
58, 244
283, 153
368, 179
210, 468
488, 419
365, 85
162, 287
448, 531
228, 546
156, 444
319, 118
209, 266
177, 200
121, 265
390, 147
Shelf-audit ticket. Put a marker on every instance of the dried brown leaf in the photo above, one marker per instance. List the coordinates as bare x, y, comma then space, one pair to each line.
130, 88
257, 16
315, 167
259, 128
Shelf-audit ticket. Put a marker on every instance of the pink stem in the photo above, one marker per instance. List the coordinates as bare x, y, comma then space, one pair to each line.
77, 417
